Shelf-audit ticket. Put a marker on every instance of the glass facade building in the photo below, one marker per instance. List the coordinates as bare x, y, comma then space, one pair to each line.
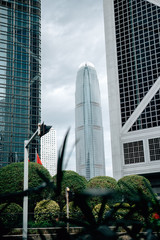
20, 79
133, 65
90, 161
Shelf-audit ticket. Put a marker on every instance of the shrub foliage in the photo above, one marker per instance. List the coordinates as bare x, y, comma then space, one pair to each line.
11, 180
46, 211
74, 211
101, 182
99, 227
74, 182
10, 215
135, 185
97, 208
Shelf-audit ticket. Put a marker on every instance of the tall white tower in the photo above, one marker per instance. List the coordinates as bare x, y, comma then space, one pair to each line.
133, 69
49, 151
90, 160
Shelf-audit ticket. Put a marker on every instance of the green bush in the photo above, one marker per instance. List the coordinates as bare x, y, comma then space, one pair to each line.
74, 211
10, 215
134, 186
74, 181
11, 180
121, 210
46, 211
101, 182
42, 224
97, 208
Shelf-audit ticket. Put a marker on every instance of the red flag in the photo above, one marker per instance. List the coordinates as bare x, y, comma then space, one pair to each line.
38, 160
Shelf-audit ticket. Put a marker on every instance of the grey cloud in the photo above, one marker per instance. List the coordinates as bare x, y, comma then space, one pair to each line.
72, 32
66, 11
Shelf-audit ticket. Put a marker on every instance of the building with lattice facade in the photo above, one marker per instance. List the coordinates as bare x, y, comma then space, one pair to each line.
132, 33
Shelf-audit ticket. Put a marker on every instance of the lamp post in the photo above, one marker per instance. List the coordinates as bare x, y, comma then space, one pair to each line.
67, 204
41, 130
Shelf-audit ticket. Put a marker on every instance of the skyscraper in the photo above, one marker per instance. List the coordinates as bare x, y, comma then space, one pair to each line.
132, 30
88, 122
49, 151
20, 78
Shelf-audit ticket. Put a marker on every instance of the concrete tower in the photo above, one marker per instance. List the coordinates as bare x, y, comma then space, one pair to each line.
88, 124
133, 69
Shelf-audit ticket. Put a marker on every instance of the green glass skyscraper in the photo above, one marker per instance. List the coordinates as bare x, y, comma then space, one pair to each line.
20, 78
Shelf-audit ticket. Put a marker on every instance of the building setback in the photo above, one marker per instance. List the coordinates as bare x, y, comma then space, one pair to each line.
20, 79
49, 151
90, 160
132, 30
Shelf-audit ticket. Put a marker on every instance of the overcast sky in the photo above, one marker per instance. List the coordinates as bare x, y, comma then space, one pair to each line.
72, 33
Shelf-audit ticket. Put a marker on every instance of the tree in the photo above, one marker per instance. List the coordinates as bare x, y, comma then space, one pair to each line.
46, 211
101, 182
11, 180
74, 182
135, 186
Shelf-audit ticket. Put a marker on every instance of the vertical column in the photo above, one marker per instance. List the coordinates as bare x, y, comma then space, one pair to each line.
25, 187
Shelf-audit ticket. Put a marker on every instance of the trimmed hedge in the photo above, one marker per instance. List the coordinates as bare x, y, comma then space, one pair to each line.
74, 211
97, 208
74, 181
10, 215
46, 211
11, 180
102, 182
135, 186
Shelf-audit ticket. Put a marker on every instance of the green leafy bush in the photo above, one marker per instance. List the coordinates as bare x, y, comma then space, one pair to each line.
97, 208
135, 186
121, 210
74, 211
101, 182
123, 227
11, 180
42, 224
46, 211
10, 215
74, 181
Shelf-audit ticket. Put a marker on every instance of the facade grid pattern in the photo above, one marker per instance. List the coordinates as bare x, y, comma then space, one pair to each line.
132, 40
20, 79
154, 148
133, 152
138, 56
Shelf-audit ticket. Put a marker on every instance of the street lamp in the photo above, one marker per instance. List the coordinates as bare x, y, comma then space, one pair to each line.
67, 204
41, 130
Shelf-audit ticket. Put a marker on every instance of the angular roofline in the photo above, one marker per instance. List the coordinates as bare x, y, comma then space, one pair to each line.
156, 2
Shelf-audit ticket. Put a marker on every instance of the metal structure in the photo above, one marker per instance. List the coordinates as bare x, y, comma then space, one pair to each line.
41, 130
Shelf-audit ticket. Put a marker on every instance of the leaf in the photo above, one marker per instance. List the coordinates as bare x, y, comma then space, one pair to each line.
60, 164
